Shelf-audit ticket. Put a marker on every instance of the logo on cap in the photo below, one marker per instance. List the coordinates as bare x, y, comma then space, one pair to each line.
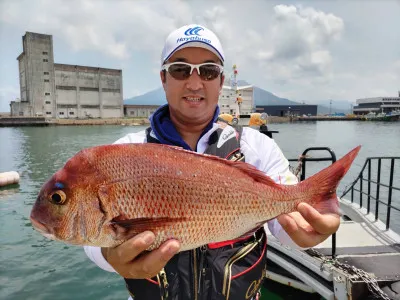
194, 31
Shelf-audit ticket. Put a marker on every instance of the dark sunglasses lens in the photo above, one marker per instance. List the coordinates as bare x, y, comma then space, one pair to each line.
209, 72
179, 71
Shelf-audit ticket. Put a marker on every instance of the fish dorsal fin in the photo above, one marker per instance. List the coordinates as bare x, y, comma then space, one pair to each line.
250, 170
246, 168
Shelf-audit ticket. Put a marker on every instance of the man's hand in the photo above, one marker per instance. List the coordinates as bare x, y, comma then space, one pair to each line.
307, 227
128, 262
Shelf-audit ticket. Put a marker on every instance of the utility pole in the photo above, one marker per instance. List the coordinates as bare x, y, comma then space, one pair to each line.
330, 107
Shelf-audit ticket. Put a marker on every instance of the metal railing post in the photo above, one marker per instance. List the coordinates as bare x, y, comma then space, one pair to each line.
390, 193
378, 187
369, 187
361, 188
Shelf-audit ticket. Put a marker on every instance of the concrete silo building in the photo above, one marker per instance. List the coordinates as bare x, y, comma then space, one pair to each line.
54, 90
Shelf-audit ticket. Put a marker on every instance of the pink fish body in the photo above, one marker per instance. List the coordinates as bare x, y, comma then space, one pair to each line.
107, 194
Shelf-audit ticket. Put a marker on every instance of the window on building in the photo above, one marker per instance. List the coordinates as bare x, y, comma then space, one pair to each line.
61, 113
21, 113
45, 60
47, 94
47, 102
46, 73
45, 53
71, 113
48, 112
46, 80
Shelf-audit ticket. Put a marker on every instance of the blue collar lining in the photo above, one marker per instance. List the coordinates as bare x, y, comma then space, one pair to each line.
165, 131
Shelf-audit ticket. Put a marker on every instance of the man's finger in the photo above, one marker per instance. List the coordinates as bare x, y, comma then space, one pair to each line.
321, 223
287, 223
130, 249
151, 263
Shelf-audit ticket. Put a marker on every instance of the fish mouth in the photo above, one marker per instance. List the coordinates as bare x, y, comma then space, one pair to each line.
40, 227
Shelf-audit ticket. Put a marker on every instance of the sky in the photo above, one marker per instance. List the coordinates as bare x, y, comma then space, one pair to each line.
306, 51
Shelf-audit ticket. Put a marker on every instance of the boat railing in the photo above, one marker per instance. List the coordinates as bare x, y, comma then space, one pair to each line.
301, 172
378, 173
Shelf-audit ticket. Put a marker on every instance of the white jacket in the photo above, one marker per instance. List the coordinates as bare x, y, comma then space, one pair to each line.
259, 150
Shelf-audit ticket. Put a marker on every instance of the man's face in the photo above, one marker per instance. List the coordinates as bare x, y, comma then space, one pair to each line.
192, 100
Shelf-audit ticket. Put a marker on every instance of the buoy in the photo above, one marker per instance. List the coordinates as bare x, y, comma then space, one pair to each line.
7, 178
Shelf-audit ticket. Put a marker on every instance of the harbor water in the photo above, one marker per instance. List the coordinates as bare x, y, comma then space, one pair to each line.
33, 267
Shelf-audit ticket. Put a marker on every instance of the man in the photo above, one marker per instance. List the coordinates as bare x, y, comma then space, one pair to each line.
192, 77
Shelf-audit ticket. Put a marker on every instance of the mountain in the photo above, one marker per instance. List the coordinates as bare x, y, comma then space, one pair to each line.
264, 98
154, 97
261, 98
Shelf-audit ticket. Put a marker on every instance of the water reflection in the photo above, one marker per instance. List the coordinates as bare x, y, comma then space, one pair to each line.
37, 152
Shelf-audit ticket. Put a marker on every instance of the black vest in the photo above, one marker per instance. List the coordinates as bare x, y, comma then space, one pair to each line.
233, 271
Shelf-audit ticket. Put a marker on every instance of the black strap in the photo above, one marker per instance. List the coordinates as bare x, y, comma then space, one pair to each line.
223, 142
150, 138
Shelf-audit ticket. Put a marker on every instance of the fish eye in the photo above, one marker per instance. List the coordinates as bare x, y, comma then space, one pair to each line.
58, 197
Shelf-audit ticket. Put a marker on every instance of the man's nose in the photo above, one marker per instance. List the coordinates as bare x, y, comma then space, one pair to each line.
194, 81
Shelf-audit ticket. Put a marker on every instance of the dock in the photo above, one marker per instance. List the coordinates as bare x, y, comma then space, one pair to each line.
329, 118
23, 121
41, 121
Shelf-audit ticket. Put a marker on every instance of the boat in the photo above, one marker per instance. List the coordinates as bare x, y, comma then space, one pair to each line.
8, 178
390, 116
395, 114
362, 259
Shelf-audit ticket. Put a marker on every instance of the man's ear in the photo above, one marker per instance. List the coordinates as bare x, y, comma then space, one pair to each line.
222, 82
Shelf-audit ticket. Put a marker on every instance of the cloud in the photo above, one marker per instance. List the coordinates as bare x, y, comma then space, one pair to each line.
298, 43
297, 36
317, 50
94, 25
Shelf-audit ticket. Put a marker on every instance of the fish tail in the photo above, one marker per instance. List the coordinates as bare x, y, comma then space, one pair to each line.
322, 186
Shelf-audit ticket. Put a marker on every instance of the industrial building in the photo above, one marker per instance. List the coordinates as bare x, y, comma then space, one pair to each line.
139, 111
376, 105
236, 99
64, 91
288, 110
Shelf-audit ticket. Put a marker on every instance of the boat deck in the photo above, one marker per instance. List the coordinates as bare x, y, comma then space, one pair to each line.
359, 246
359, 243
362, 259
352, 235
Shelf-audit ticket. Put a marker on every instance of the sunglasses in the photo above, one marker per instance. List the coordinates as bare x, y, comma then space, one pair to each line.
183, 70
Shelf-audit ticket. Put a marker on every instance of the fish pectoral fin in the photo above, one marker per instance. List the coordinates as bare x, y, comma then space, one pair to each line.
127, 228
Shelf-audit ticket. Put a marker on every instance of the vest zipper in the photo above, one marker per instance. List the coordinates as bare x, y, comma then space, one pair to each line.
195, 288
202, 269
163, 283
228, 267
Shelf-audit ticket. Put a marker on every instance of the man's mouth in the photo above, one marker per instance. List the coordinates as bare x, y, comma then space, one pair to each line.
193, 99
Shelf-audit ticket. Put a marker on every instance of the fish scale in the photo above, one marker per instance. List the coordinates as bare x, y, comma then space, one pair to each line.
114, 192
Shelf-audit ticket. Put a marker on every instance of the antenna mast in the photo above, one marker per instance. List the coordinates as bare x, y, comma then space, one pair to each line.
237, 98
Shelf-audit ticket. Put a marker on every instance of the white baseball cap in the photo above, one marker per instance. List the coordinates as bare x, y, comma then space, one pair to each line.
192, 35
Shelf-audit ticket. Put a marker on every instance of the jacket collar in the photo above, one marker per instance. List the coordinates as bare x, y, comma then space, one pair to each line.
165, 131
